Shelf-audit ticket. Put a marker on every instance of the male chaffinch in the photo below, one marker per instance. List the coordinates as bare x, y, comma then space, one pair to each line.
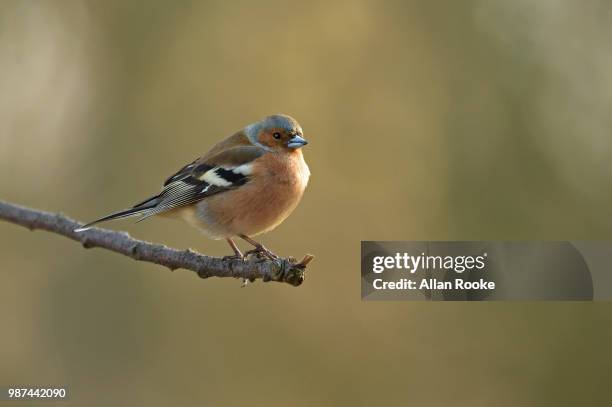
245, 185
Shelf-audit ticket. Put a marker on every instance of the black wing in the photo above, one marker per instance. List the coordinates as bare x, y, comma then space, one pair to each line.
197, 180
204, 177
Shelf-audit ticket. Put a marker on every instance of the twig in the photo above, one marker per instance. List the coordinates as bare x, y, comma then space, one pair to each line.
281, 270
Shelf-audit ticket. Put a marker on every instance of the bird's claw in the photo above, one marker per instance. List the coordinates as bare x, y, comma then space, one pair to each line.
261, 251
233, 257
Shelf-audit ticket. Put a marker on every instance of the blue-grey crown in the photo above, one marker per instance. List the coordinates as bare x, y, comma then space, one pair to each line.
281, 121
276, 121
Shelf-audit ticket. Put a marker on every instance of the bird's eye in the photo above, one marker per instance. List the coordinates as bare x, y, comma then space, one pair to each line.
276, 136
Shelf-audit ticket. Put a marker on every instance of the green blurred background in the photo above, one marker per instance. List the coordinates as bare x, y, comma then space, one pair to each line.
426, 120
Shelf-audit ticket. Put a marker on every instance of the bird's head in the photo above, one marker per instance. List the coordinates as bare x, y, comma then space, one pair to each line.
278, 132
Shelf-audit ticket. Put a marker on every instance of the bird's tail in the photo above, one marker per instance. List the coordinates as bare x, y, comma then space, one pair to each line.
139, 209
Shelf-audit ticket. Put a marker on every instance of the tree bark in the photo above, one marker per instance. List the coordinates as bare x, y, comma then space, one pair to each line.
285, 270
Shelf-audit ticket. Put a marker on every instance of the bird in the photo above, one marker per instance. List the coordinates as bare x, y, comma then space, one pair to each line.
245, 185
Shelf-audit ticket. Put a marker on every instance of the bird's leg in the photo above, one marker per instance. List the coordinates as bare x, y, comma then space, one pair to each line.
237, 255
259, 248
237, 252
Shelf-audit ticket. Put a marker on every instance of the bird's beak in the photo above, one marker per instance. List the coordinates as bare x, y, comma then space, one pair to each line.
296, 142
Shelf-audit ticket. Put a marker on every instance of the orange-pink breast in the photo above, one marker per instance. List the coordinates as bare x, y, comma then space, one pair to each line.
276, 187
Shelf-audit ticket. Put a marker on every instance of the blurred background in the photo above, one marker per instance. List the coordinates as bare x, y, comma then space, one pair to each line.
426, 120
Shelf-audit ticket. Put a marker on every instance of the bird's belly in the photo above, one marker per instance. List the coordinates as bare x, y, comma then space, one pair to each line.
247, 210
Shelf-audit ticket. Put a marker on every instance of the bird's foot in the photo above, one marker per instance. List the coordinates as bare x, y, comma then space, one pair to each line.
234, 257
261, 251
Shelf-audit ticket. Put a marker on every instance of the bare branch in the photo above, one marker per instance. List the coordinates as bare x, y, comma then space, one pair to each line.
281, 270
